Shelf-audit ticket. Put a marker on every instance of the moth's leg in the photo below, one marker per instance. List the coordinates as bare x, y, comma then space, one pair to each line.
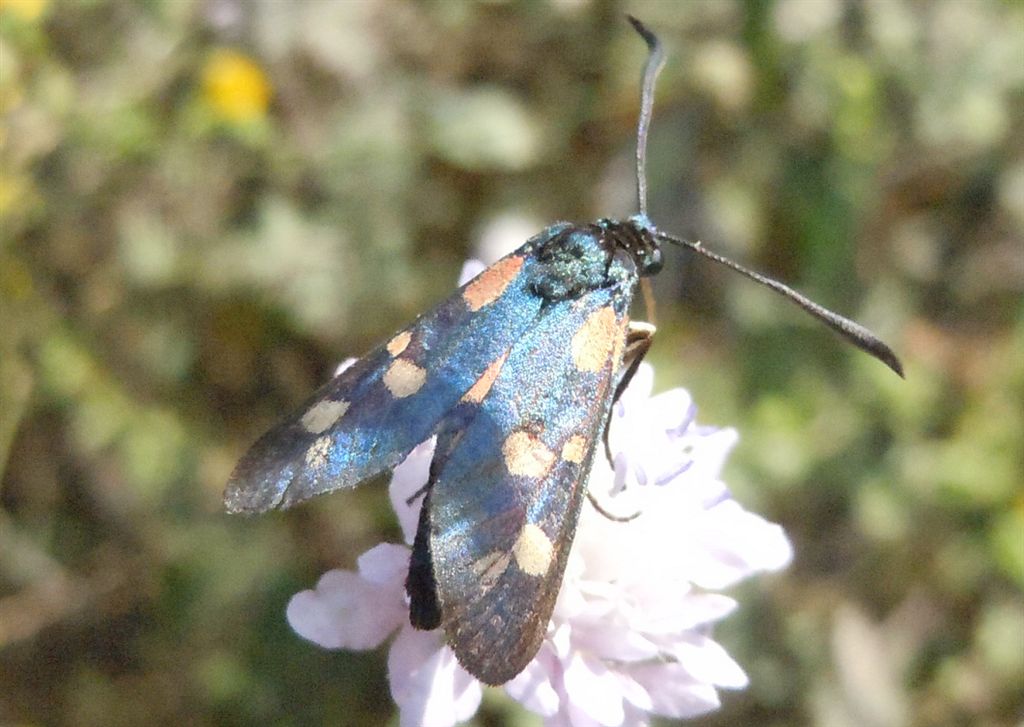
418, 494
639, 336
611, 516
448, 433
435, 467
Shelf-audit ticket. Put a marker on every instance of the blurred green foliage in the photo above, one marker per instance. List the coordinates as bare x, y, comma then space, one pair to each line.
206, 204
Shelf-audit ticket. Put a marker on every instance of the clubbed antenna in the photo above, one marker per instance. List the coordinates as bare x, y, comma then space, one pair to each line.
655, 61
855, 333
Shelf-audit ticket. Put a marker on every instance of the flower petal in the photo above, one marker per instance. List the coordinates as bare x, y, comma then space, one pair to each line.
673, 691
346, 611
347, 363
615, 642
427, 683
385, 565
533, 686
593, 691
470, 269
733, 543
706, 661
407, 479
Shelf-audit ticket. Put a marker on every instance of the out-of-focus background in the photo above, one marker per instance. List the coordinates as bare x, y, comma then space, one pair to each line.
207, 204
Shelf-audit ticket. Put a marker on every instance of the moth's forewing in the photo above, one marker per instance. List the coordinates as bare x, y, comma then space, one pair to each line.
371, 415
509, 483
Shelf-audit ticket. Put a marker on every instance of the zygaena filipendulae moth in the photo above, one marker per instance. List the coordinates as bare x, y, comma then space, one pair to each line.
515, 374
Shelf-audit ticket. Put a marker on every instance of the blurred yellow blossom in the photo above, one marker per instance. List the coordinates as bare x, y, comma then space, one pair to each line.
28, 10
15, 192
235, 87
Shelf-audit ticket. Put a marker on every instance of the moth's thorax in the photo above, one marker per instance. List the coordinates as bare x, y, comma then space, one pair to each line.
575, 259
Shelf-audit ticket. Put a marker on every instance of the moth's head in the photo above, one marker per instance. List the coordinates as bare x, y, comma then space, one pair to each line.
652, 263
646, 251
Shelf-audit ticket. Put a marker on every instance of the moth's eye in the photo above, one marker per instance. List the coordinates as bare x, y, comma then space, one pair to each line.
653, 263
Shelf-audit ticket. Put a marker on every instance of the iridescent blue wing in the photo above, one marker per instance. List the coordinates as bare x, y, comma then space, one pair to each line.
371, 415
507, 482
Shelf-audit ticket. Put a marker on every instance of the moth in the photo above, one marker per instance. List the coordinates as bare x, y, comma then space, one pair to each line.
515, 374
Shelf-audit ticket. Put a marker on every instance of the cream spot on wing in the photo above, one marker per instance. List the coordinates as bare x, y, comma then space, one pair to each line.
526, 455
322, 415
398, 344
488, 569
316, 455
404, 378
574, 449
491, 283
533, 551
593, 343
479, 390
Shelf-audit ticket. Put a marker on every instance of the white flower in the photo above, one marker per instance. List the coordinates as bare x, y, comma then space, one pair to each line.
630, 634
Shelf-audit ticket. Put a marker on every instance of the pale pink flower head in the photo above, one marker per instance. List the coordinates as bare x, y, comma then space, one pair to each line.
630, 636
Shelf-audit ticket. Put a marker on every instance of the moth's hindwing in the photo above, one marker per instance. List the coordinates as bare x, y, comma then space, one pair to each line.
372, 414
507, 484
